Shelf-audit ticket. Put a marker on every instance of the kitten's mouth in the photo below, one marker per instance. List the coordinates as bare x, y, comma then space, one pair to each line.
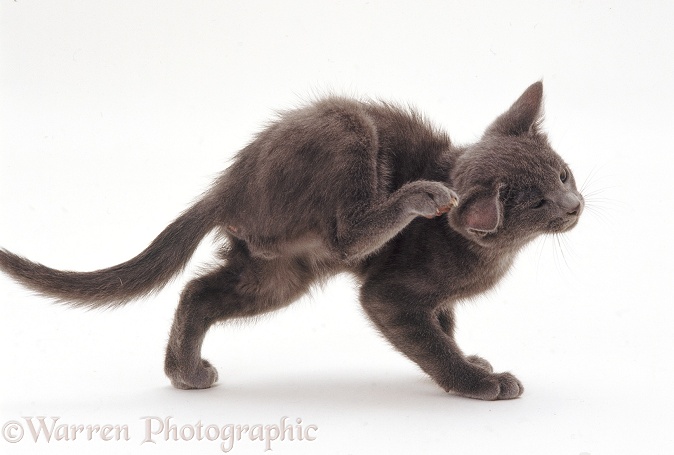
559, 225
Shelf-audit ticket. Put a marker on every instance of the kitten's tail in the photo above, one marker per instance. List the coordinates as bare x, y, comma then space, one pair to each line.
151, 270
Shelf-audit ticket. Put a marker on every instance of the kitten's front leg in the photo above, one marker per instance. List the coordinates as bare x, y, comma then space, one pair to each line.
363, 231
446, 320
417, 331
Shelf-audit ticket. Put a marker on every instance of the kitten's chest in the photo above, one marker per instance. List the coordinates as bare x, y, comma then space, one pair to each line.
468, 276
448, 266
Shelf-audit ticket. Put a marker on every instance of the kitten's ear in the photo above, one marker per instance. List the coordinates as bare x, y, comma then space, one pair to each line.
482, 215
523, 115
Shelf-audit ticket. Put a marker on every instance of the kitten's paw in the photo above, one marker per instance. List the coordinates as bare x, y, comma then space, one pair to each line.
501, 386
510, 386
480, 362
201, 377
430, 199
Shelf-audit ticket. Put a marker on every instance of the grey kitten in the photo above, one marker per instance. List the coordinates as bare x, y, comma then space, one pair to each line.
364, 187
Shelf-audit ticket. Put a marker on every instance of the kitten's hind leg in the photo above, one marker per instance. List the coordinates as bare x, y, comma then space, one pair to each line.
364, 231
244, 287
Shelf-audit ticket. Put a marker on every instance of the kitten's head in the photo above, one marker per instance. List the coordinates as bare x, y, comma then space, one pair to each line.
511, 184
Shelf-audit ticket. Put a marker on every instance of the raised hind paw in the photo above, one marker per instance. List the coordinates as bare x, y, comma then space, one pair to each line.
202, 376
430, 199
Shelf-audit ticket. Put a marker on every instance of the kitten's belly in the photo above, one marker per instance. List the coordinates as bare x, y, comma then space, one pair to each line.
309, 245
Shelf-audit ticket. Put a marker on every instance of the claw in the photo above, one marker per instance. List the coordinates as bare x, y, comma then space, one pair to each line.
446, 208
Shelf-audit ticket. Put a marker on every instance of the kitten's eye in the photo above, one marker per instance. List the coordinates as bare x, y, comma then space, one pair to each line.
564, 176
539, 204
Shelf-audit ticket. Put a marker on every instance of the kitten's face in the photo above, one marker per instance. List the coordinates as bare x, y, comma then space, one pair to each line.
513, 185
542, 196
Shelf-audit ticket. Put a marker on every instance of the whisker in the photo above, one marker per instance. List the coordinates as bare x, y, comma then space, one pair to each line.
541, 249
561, 250
565, 251
598, 212
592, 178
599, 192
588, 179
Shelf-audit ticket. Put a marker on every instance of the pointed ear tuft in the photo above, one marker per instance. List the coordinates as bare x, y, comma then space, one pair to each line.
523, 115
483, 214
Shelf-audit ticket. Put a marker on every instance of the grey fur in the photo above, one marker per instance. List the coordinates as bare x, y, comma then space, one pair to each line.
362, 187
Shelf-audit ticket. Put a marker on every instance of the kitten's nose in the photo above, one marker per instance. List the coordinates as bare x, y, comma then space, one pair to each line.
572, 204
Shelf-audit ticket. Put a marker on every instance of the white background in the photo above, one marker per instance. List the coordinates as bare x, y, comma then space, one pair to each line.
114, 116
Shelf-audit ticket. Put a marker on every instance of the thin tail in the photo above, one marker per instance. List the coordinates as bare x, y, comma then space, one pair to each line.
151, 270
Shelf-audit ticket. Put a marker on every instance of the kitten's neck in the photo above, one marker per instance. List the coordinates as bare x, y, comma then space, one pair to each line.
499, 256
447, 163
